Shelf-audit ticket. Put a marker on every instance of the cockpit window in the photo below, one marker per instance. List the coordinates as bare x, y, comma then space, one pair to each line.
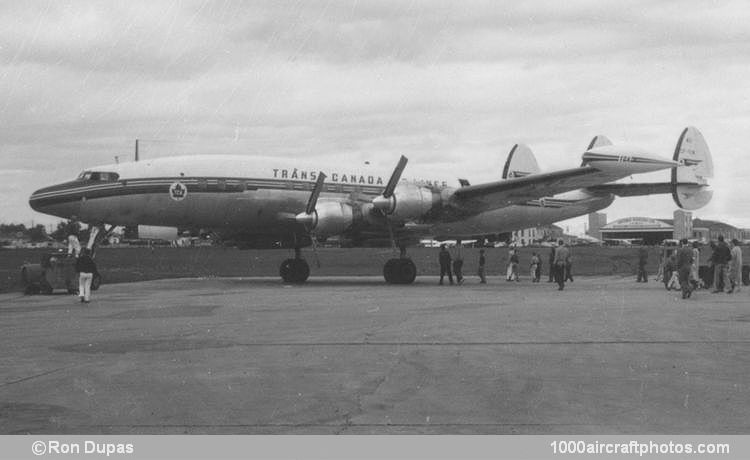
99, 176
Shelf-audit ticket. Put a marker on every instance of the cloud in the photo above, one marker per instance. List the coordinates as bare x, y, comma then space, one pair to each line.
446, 83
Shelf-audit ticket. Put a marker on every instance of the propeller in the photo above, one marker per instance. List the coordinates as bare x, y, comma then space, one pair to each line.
386, 202
309, 218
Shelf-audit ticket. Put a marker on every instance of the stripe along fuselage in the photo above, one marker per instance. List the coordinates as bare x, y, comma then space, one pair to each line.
248, 195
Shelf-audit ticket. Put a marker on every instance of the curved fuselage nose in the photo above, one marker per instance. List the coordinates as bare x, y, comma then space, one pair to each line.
61, 200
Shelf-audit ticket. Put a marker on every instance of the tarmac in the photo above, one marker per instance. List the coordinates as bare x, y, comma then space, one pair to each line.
351, 355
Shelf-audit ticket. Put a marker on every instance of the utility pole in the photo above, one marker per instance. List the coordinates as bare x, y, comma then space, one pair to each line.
136, 150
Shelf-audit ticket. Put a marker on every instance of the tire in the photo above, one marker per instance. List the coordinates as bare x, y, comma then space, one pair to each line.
294, 271
407, 271
399, 271
389, 271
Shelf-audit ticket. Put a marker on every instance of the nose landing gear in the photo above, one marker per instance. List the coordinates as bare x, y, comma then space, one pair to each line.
295, 271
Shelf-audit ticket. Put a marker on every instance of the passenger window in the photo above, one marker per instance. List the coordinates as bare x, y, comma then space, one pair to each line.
101, 176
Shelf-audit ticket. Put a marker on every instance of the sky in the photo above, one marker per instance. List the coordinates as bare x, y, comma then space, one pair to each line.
452, 85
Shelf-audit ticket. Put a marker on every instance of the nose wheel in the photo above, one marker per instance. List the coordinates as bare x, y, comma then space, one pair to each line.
295, 271
399, 271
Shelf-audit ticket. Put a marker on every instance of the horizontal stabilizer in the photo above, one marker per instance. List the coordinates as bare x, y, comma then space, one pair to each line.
633, 189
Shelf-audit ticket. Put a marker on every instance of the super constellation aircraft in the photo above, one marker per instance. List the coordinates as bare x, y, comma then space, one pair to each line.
256, 200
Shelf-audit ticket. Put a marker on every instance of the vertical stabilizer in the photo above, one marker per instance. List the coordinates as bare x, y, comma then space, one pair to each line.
598, 141
521, 162
690, 179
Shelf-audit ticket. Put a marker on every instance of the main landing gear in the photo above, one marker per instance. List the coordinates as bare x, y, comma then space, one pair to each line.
295, 271
401, 270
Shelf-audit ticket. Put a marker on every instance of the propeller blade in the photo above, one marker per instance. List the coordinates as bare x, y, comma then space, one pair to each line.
315, 193
395, 177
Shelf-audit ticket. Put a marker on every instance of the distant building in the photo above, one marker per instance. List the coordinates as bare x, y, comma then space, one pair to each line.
650, 231
597, 220
533, 235
683, 225
702, 234
716, 228
654, 231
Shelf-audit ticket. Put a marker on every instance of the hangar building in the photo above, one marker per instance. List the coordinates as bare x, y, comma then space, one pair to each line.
654, 231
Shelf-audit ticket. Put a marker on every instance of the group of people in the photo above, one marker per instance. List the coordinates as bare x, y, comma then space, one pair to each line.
559, 261
680, 270
84, 266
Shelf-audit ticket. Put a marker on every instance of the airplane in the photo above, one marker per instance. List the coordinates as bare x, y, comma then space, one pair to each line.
256, 200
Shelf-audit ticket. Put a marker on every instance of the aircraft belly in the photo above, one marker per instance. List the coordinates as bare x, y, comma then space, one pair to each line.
518, 217
249, 211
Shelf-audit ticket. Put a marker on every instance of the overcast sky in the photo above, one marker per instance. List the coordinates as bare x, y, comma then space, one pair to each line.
452, 85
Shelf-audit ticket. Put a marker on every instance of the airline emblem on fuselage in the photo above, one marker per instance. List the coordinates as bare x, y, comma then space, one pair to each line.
177, 191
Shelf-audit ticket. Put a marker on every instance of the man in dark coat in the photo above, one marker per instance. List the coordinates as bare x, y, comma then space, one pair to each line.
445, 264
642, 260
561, 260
720, 258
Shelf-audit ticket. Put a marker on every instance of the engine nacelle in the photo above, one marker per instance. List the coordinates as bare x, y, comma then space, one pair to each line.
409, 201
332, 218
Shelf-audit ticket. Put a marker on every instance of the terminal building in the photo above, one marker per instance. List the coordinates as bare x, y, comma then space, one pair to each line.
653, 231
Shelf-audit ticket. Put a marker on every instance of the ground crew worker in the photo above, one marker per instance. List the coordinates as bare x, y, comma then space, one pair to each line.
513, 266
642, 259
445, 264
561, 259
86, 268
480, 270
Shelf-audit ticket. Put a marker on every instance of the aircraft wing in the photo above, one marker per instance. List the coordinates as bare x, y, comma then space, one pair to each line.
534, 186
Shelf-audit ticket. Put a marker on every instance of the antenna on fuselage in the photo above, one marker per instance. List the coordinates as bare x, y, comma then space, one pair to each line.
136, 150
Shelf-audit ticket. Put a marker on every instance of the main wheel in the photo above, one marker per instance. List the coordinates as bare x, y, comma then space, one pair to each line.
294, 271
389, 271
400, 271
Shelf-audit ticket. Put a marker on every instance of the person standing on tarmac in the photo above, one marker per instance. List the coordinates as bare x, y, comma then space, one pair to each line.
684, 265
569, 267
561, 259
480, 270
695, 278
642, 260
458, 266
551, 265
445, 263
513, 266
86, 268
735, 267
721, 257
534, 267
